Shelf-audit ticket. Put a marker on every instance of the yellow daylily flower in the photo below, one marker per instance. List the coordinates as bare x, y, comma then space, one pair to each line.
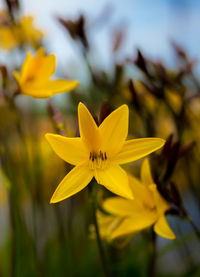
8, 40
28, 33
146, 209
34, 78
22, 32
99, 152
108, 224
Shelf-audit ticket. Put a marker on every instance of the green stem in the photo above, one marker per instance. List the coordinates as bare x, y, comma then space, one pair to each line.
197, 232
98, 237
152, 262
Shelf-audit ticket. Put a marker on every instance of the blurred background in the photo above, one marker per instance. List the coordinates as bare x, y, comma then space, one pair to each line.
149, 25
142, 53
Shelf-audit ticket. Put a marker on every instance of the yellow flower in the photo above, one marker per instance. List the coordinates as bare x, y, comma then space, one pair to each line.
107, 223
99, 152
28, 33
21, 33
7, 38
34, 78
146, 209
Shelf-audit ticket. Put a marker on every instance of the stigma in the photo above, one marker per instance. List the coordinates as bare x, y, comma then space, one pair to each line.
97, 160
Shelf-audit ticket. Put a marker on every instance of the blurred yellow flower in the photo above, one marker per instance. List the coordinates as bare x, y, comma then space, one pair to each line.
27, 32
146, 209
8, 39
4, 188
99, 152
19, 33
34, 78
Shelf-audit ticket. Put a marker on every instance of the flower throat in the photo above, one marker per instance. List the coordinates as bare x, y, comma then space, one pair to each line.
97, 160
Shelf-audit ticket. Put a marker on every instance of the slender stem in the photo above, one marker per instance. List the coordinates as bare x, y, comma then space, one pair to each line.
13, 238
152, 262
187, 217
197, 232
98, 237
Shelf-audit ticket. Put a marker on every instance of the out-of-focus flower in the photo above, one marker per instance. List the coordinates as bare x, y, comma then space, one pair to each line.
174, 99
34, 78
28, 33
8, 40
146, 209
99, 152
22, 32
107, 223
4, 187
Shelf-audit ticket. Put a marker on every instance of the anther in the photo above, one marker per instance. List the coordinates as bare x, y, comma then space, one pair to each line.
105, 156
101, 155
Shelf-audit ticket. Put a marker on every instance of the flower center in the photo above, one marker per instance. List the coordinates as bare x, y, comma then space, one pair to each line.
97, 160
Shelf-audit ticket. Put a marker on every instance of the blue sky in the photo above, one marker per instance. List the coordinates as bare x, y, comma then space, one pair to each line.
150, 24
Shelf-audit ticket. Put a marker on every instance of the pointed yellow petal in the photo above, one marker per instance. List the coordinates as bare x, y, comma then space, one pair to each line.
114, 179
141, 192
88, 129
162, 228
48, 89
161, 204
76, 180
107, 224
8, 39
31, 65
71, 150
138, 148
36, 93
146, 176
134, 224
16, 76
46, 67
60, 85
114, 130
122, 207
26, 66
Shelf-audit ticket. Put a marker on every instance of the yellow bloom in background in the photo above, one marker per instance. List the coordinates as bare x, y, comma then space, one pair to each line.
108, 224
147, 208
99, 152
28, 33
22, 32
8, 40
34, 78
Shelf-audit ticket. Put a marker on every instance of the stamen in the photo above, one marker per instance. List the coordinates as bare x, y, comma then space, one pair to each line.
97, 160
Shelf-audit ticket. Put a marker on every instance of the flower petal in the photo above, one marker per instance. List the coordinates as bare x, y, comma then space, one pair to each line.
122, 207
46, 67
71, 150
114, 130
107, 223
141, 192
26, 65
131, 225
32, 64
135, 149
49, 88
114, 179
161, 204
162, 228
76, 180
146, 176
88, 129
60, 85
